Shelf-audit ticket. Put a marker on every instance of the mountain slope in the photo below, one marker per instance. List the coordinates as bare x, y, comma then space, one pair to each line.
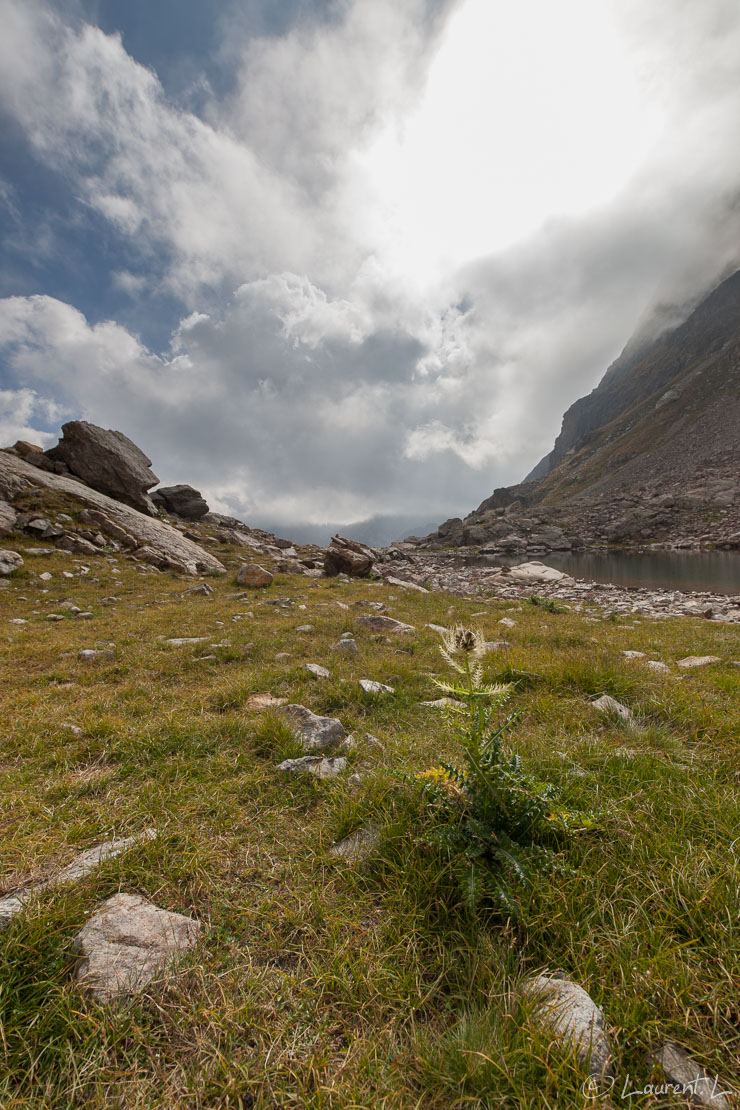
651, 455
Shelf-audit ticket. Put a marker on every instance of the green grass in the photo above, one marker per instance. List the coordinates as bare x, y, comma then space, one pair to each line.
319, 984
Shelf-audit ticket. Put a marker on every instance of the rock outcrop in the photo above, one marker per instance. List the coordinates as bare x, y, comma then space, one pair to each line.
156, 541
345, 556
182, 501
107, 461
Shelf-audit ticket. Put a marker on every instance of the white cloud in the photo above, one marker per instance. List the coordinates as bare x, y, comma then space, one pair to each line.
400, 256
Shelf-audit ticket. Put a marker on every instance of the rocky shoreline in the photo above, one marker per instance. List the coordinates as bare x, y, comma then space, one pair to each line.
446, 571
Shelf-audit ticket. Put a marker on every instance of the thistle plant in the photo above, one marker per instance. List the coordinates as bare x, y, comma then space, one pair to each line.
497, 823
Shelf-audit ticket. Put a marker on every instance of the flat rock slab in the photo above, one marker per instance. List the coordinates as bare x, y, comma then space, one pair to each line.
316, 670
443, 703
260, 702
690, 1080
378, 623
320, 766
317, 734
371, 687
613, 708
697, 661
183, 641
78, 869
127, 943
572, 1016
357, 846
656, 665
536, 572
393, 581
633, 654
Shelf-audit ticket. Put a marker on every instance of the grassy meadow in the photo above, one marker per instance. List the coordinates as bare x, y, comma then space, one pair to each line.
323, 984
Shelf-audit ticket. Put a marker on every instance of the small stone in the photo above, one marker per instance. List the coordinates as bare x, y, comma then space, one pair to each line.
305, 628
698, 661
79, 868
95, 655
282, 657
392, 581
437, 628
633, 654
348, 646
612, 707
83, 616
260, 702
442, 703
317, 734
127, 943
377, 623
691, 1079
573, 1017
253, 575
507, 622
183, 641
316, 670
317, 765
373, 742
46, 576
371, 687
357, 846
496, 645
201, 590
656, 665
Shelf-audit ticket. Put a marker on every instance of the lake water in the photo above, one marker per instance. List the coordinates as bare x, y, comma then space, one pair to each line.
712, 571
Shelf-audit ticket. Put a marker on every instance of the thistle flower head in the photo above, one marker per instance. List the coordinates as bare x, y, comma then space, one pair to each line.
462, 641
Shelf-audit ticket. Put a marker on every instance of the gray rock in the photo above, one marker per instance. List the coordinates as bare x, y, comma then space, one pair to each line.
108, 461
9, 561
96, 655
316, 670
182, 500
201, 590
697, 661
76, 544
320, 766
127, 943
357, 846
348, 557
253, 575
78, 869
633, 654
371, 687
317, 734
179, 553
690, 1079
613, 708
656, 665
183, 641
346, 645
536, 572
377, 623
573, 1017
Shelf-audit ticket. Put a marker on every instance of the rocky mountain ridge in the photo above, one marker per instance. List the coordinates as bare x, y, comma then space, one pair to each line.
651, 456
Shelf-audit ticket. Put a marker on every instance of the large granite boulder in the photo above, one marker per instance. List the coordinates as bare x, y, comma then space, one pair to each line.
174, 551
181, 500
107, 461
348, 557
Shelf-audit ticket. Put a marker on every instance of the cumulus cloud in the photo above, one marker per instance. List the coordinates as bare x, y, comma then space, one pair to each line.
333, 356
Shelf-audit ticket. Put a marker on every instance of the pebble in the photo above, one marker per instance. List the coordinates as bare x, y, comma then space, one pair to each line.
316, 670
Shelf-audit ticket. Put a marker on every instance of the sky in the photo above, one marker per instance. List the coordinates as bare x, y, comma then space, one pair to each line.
330, 260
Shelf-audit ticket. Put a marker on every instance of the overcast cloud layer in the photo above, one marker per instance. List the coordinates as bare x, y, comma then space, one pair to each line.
357, 275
